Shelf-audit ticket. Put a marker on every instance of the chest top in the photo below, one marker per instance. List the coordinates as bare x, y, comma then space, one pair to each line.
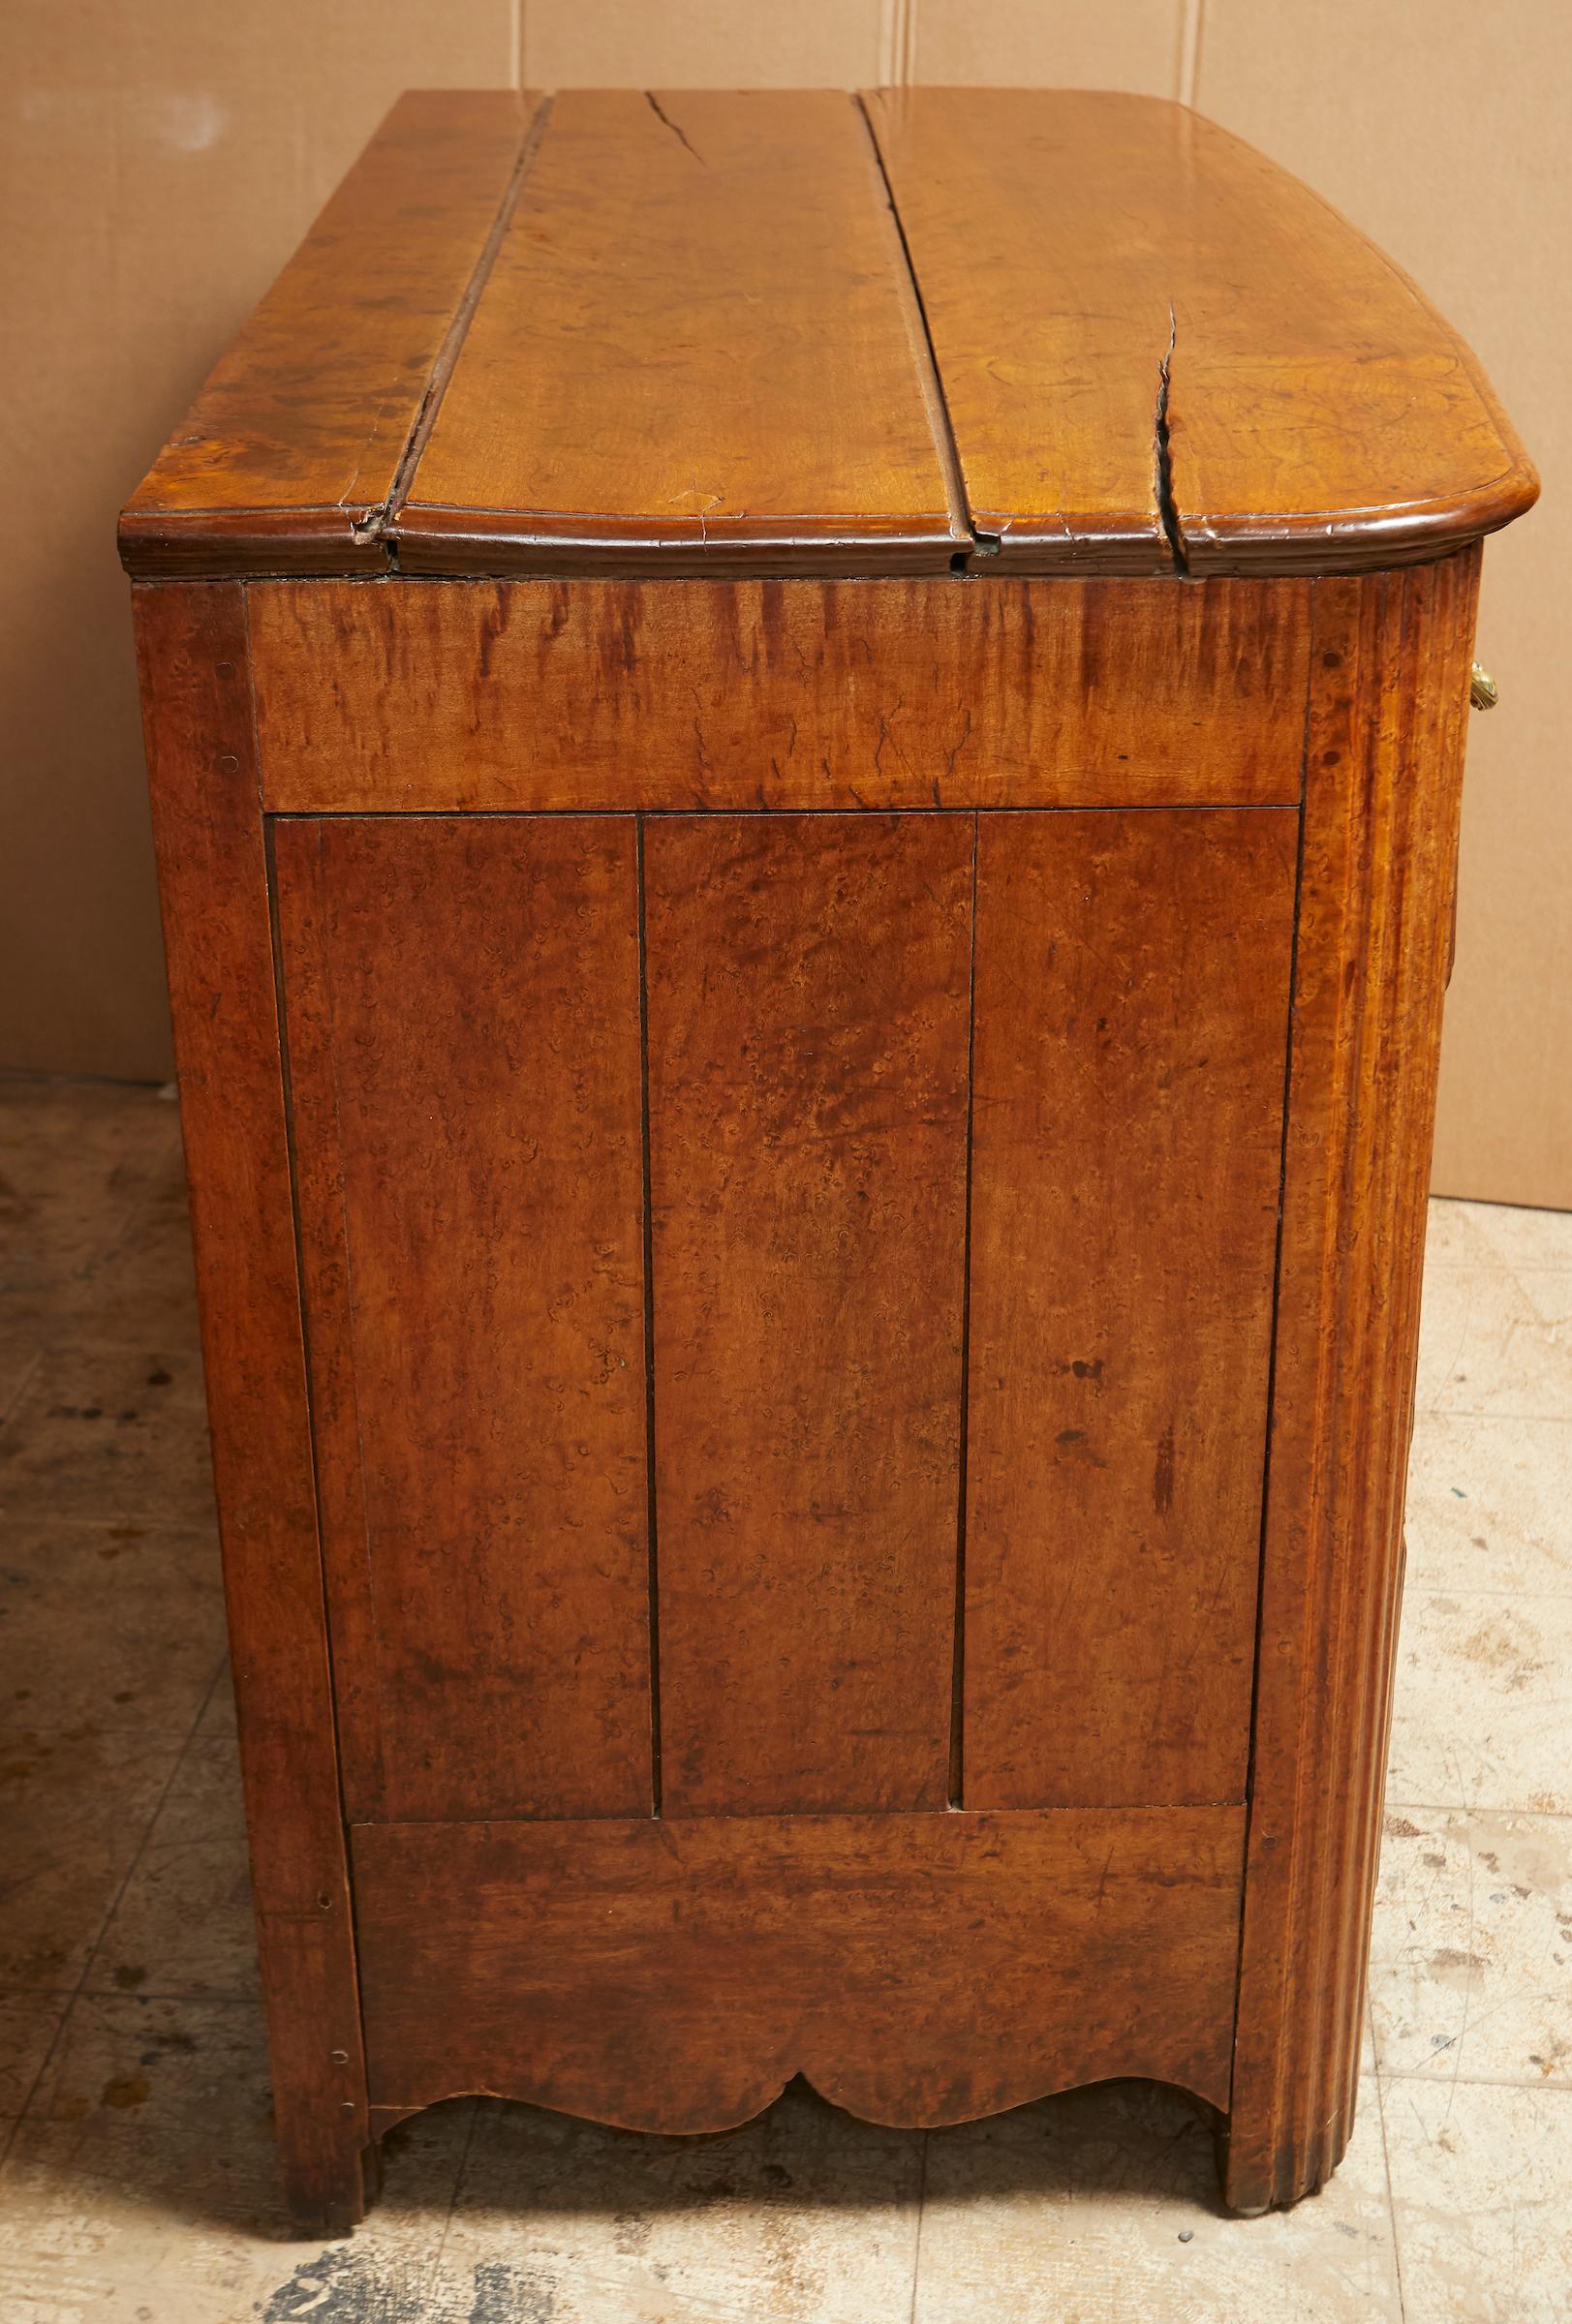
783, 333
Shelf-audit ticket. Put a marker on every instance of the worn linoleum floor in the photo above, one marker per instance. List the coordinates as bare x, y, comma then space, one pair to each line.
137, 2186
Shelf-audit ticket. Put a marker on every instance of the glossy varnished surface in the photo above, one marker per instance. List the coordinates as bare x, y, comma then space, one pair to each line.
697, 348
918, 1969
682, 333
1085, 258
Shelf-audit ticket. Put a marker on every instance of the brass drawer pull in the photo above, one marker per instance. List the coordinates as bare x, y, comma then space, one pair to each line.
1482, 692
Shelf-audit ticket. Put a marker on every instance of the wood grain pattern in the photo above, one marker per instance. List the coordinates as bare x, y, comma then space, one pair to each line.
793, 695
287, 460
1082, 255
1385, 766
213, 879
728, 970
698, 351
698, 345
918, 1969
462, 1008
1131, 1011
808, 1023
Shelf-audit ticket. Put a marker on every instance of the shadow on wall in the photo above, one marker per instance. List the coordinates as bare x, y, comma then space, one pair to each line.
157, 166
81, 971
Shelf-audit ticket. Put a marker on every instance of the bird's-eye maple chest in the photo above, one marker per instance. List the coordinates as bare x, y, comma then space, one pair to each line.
806, 759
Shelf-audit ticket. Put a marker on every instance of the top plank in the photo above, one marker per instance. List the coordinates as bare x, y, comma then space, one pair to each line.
1159, 352
699, 349
622, 334
288, 459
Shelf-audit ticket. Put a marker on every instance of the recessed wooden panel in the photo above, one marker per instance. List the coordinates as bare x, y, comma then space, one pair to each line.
673, 1975
803, 694
463, 1018
808, 1024
1131, 1022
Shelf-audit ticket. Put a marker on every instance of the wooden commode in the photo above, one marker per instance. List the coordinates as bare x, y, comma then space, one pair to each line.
806, 758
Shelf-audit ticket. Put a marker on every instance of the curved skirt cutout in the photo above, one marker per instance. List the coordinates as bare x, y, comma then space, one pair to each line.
673, 1975
383, 2118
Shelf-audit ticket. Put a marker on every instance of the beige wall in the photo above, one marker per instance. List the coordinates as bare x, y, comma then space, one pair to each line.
1441, 128
161, 160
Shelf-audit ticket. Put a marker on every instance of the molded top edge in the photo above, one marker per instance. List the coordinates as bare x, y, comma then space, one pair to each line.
776, 332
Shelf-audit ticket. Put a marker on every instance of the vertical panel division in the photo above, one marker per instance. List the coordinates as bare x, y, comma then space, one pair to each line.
808, 1026
463, 1013
957, 1758
1131, 1014
654, 1560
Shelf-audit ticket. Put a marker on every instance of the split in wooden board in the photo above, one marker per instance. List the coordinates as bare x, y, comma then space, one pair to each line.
753, 333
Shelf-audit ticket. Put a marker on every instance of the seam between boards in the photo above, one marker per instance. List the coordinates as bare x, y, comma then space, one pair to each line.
970, 542
385, 519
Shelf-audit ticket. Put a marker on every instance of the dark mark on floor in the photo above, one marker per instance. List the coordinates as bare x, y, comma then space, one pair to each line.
348, 2284
126, 2089
507, 2295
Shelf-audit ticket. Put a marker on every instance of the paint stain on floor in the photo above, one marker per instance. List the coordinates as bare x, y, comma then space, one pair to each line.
348, 2286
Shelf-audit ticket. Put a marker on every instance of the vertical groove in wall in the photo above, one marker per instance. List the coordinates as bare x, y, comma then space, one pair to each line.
519, 82
1188, 59
897, 43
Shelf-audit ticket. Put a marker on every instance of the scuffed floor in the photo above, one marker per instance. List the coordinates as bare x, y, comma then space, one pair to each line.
138, 2181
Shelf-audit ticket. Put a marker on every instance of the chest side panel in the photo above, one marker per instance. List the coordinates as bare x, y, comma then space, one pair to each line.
461, 1000
807, 1029
1132, 1021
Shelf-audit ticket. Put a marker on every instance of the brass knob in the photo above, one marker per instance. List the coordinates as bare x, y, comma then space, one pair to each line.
1482, 692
